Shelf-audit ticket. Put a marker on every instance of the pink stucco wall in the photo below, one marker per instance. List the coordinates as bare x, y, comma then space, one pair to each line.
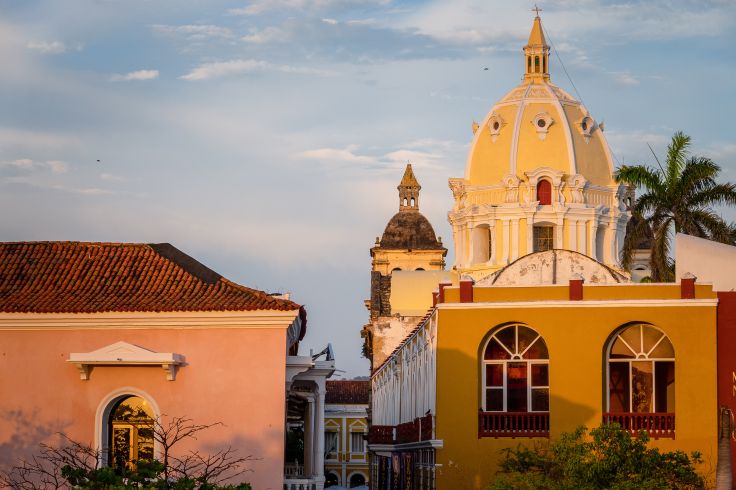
232, 375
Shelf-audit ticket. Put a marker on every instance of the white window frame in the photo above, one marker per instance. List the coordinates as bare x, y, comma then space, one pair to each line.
516, 358
639, 357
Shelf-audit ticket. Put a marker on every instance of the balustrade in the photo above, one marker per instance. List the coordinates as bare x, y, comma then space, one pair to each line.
513, 424
656, 424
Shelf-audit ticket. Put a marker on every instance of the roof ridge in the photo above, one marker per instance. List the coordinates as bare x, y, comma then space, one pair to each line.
92, 277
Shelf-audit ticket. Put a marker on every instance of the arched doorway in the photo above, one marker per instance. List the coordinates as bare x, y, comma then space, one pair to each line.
357, 480
331, 480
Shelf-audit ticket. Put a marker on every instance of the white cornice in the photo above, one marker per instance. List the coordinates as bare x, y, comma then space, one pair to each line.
632, 303
145, 320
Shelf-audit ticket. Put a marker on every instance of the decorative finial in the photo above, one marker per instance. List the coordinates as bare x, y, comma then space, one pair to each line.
536, 9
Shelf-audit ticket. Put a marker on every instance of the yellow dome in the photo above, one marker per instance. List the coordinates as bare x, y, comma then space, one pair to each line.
537, 124
539, 176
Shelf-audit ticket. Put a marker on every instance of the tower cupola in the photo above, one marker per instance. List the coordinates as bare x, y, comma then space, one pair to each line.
409, 191
536, 52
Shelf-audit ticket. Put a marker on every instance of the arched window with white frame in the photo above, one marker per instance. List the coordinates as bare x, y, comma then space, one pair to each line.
641, 380
515, 374
641, 371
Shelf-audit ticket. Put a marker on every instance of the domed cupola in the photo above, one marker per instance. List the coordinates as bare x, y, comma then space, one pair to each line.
409, 241
539, 175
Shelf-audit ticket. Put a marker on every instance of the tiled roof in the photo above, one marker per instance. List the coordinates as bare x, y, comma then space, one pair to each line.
348, 392
84, 277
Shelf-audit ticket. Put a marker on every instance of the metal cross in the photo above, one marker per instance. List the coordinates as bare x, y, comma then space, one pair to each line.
536, 9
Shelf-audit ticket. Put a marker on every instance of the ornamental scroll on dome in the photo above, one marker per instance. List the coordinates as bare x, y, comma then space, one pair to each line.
577, 184
511, 183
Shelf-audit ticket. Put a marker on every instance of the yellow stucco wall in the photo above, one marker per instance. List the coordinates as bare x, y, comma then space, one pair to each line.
534, 152
591, 155
576, 338
484, 149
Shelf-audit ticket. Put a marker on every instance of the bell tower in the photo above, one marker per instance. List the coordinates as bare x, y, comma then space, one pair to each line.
409, 191
410, 249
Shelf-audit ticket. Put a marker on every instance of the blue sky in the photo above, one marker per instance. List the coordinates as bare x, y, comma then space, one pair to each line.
266, 138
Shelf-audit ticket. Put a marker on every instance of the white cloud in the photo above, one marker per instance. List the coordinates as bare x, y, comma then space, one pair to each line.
195, 32
337, 155
56, 166
21, 163
135, 75
269, 34
112, 177
47, 47
625, 78
424, 153
329, 21
256, 7
220, 69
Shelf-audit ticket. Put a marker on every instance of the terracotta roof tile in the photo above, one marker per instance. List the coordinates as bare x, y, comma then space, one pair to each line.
85, 277
348, 392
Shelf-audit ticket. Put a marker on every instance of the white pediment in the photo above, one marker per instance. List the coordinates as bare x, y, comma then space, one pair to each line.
125, 354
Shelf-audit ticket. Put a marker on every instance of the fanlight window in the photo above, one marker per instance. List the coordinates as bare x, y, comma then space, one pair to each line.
516, 371
131, 426
641, 371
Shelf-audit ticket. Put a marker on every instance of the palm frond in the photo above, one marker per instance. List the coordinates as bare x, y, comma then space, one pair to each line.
677, 152
639, 176
716, 195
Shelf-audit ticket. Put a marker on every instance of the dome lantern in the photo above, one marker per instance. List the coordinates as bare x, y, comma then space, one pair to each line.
409, 191
536, 52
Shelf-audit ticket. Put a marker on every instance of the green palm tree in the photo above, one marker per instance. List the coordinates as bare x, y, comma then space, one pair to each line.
680, 195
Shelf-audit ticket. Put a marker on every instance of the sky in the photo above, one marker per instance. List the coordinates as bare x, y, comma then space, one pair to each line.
266, 138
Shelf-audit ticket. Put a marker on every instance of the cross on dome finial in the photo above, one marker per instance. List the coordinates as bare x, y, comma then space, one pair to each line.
536, 9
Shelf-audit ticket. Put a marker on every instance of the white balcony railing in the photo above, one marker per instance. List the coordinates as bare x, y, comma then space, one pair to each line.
299, 484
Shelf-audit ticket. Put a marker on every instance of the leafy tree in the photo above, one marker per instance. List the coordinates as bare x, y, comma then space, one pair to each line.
610, 459
76, 465
680, 195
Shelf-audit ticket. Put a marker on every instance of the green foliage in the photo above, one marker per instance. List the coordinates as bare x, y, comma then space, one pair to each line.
610, 459
678, 196
143, 475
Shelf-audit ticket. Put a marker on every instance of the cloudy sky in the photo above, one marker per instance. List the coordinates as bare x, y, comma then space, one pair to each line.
266, 138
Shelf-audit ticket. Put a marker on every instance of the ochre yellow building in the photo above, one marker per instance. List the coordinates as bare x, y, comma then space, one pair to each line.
537, 329
492, 367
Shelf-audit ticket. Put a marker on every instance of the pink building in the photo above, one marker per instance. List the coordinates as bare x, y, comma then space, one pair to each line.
90, 329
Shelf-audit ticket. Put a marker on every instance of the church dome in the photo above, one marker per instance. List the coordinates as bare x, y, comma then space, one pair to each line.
409, 230
539, 176
538, 124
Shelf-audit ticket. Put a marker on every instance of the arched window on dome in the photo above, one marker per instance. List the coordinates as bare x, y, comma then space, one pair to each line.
536, 64
641, 380
544, 64
514, 384
544, 192
528, 64
482, 244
